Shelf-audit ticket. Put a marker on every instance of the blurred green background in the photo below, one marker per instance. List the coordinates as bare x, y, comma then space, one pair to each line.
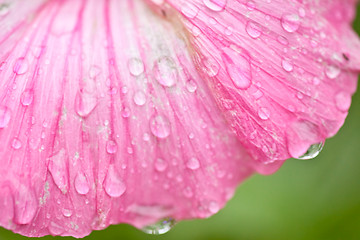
317, 199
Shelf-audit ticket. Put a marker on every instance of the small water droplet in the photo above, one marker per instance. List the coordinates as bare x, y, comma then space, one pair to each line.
140, 98
215, 5
161, 227
136, 67
114, 185
85, 103
81, 184
332, 72
67, 212
312, 152
193, 164
264, 113
290, 22
253, 29
189, 10
343, 101
165, 71
5, 116
26, 205
126, 112
58, 170
21, 66
111, 147
214, 207
16, 144
210, 67
287, 65
160, 126
191, 86
27, 97
160, 165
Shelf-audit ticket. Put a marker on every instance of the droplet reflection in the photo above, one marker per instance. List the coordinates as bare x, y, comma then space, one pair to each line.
160, 227
313, 151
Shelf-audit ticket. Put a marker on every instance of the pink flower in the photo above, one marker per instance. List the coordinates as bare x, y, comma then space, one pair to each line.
135, 111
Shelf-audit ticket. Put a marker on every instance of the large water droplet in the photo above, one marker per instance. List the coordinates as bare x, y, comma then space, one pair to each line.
140, 98
81, 184
4, 9
161, 227
136, 66
290, 22
58, 170
114, 185
253, 29
215, 5
193, 164
5, 116
160, 126
27, 97
85, 103
165, 71
21, 66
312, 152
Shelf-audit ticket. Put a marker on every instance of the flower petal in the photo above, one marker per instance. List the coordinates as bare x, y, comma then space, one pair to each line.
104, 120
283, 72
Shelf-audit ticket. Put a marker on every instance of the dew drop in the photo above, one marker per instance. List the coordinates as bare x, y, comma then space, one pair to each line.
85, 103
27, 97
114, 185
165, 71
332, 72
111, 147
253, 29
343, 101
287, 65
290, 22
140, 98
4, 9
160, 165
250, 5
239, 71
67, 212
215, 5
160, 126
26, 205
264, 113
214, 207
21, 66
210, 67
5, 116
193, 164
136, 67
189, 10
191, 86
81, 184
125, 112
16, 144
161, 227
58, 170
312, 152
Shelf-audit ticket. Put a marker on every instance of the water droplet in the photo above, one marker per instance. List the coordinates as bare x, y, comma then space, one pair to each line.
160, 165
125, 112
67, 212
189, 10
5, 116
26, 205
160, 126
332, 72
239, 69
16, 144
253, 29
215, 5
214, 207
193, 164
264, 113
161, 227
4, 9
165, 71
312, 152
85, 103
81, 184
287, 65
111, 147
136, 67
210, 67
250, 5
21, 66
283, 40
191, 85
140, 98
27, 97
114, 185
58, 170
229, 31
290, 22
343, 101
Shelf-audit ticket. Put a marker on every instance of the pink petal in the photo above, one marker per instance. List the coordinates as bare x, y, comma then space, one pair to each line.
105, 119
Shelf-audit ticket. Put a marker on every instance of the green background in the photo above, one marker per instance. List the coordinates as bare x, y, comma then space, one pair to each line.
317, 199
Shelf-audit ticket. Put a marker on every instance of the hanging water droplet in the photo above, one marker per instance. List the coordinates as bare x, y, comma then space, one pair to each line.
253, 29
290, 22
160, 126
160, 165
21, 66
5, 116
81, 184
114, 185
27, 97
193, 164
16, 144
136, 67
161, 227
165, 71
312, 152
111, 147
215, 5
140, 98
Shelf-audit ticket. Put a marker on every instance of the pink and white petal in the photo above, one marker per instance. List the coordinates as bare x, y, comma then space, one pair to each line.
104, 119
283, 72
